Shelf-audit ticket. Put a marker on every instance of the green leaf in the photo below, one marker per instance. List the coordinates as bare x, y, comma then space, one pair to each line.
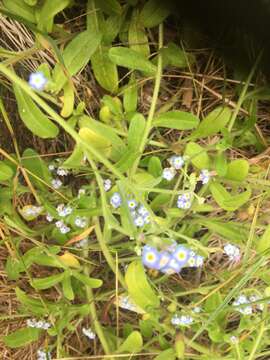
264, 241
221, 163
155, 166
48, 11
68, 100
133, 344
67, 288
176, 119
75, 159
174, 56
13, 268
213, 302
130, 97
168, 354
138, 287
154, 12
22, 337
227, 201
127, 160
214, 122
76, 56
6, 172
36, 306
136, 131
109, 6
96, 140
91, 282
19, 8
131, 59
229, 230
237, 170
47, 282
105, 70
118, 146
33, 117
198, 156
34, 163
137, 37
111, 27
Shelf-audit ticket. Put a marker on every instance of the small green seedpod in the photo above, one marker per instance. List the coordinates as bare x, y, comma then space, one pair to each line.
172, 308
105, 114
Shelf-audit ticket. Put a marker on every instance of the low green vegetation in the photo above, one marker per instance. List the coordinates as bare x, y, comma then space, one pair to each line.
146, 234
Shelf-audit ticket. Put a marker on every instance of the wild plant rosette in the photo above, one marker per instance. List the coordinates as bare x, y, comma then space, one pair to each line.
140, 229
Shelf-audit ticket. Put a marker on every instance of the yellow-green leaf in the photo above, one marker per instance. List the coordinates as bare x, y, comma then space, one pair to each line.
6, 172
264, 241
139, 288
237, 170
131, 59
176, 119
22, 337
154, 12
213, 122
198, 155
33, 117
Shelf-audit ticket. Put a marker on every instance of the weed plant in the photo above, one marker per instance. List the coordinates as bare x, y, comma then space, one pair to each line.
136, 225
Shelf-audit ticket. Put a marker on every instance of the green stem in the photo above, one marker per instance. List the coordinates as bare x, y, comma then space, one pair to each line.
106, 252
93, 312
151, 113
243, 93
257, 342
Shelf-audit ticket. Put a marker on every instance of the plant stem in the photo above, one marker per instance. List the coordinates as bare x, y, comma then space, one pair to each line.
151, 113
243, 93
93, 312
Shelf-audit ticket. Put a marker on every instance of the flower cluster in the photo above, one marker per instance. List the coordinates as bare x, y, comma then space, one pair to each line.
37, 80
232, 251
89, 333
244, 300
62, 172
184, 201
204, 176
172, 260
80, 221
176, 163
56, 183
43, 355
63, 210
32, 210
63, 228
181, 320
138, 212
107, 184
33, 323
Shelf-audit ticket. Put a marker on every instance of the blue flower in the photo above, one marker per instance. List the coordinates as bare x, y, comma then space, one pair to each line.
176, 162
37, 80
116, 200
150, 257
184, 201
204, 176
143, 211
165, 258
168, 173
181, 254
172, 267
139, 221
132, 204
